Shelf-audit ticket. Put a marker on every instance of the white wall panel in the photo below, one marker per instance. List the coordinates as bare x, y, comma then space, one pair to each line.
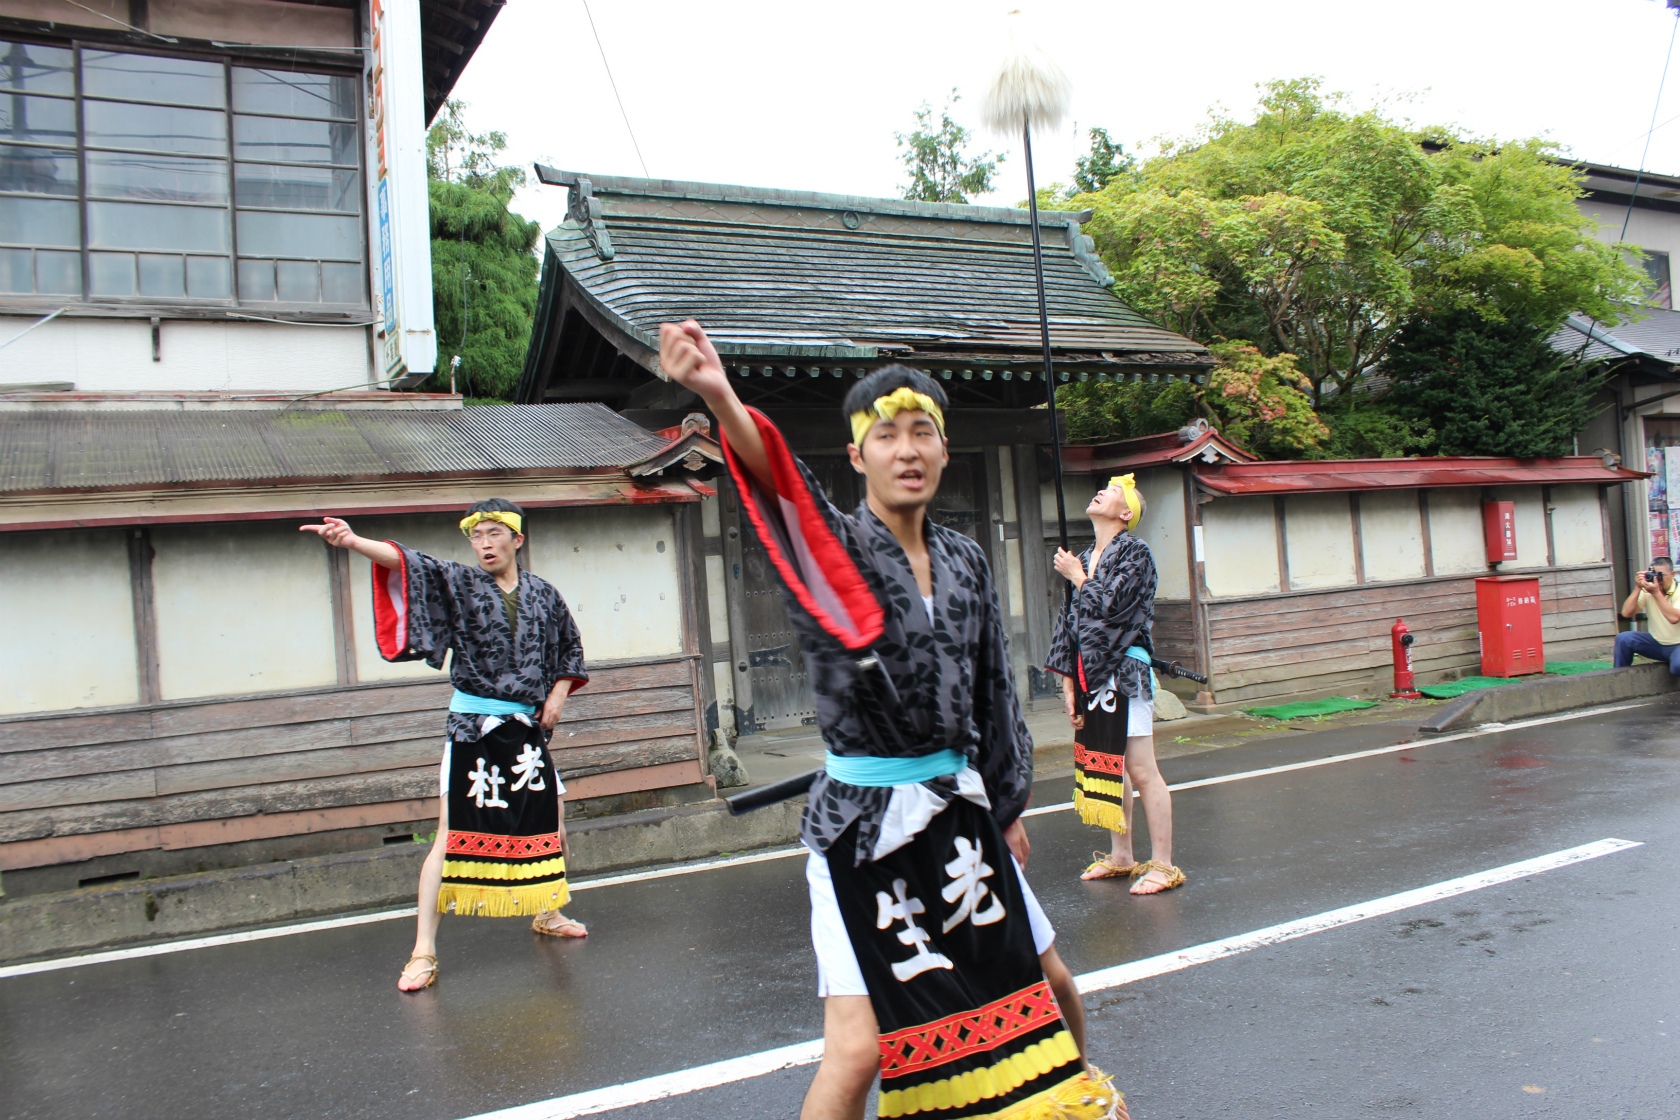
1318, 530
1240, 545
1391, 530
1455, 531
1577, 525
67, 620
616, 566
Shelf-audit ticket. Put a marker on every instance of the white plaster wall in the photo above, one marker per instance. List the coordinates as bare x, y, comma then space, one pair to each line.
717, 602
1646, 228
1318, 529
1011, 548
115, 355
1577, 525
436, 534
1455, 531
1530, 525
1240, 544
241, 607
617, 568
67, 617
1164, 530
1076, 493
1391, 530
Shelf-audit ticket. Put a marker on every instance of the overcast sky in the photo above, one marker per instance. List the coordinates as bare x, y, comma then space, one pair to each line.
808, 95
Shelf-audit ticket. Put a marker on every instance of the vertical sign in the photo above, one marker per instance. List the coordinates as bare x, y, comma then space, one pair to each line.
397, 158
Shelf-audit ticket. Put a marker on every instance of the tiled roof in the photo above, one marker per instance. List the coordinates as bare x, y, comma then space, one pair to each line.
839, 278
1656, 336
86, 449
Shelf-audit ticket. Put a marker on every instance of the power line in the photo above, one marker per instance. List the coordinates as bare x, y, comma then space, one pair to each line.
614, 85
1661, 82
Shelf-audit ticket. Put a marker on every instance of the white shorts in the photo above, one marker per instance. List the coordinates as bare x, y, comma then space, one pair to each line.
1140, 716
837, 967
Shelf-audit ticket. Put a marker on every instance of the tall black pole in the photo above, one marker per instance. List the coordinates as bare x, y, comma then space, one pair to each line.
1044, 337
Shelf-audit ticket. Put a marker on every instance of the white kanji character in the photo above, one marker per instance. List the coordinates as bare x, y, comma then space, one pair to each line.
966, 871
491, 783
529, 768
1105, 697
905, 910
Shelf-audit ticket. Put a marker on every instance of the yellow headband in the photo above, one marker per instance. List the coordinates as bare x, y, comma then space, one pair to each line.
902, 399
511, 520
1129, 491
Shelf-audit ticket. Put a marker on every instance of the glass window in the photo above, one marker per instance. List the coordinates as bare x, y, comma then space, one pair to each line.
287, 94
117, 179
152, 128
321, 236
37, 120
156, 177
294, 141
148, 77
38, 69
1656, 267
299, 188
37, 170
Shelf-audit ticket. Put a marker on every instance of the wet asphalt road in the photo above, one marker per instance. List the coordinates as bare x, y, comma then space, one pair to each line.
1555, 995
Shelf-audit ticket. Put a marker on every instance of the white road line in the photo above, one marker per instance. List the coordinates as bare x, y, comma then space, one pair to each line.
710, 1076
1416, 744
734, 861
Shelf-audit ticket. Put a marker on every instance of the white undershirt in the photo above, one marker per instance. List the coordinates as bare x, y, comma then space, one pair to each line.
927, 601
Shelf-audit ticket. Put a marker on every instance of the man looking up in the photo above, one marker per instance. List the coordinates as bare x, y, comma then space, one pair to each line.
924, 928
1102, 648
501, 839
1657, 600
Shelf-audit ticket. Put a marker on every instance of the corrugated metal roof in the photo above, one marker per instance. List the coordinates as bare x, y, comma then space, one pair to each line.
84, 449
770, 275
1381, 474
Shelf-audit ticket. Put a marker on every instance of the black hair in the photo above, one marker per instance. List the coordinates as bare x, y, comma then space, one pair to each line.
495, 505
889, 379
1655, 560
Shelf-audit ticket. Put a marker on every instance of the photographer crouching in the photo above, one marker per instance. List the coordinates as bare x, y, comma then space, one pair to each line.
1654, 594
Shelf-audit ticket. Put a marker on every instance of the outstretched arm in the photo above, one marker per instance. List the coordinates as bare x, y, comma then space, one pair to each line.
688, 358
337, 533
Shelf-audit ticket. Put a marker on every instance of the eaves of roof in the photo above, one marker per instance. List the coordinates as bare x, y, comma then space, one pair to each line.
1352, 475
1196, 442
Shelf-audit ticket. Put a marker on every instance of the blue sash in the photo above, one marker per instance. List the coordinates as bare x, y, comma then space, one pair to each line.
871, 771
1138, 653
469, 704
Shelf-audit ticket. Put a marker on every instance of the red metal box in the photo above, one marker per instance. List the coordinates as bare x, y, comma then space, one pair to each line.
1508, 626
1499, 526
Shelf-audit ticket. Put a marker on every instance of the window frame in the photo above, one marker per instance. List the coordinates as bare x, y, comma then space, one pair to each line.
233, 306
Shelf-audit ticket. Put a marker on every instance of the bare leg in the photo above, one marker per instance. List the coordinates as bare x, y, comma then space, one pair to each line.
1068, 999
1120, 843
851, 1059
426, 922
1157, 806
552, 922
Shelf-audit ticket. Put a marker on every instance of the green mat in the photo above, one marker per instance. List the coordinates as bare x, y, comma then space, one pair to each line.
1469, 684
1305, 708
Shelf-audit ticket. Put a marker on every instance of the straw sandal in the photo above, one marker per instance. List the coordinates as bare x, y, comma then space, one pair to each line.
431, 968
1175, 877
1110, 869
563, 929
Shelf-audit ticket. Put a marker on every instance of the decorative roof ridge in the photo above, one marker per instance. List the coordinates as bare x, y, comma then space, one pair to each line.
1598, 334
773, 196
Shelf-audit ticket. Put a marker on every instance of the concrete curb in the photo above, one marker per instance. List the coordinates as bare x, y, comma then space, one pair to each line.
1549, 694
178, 906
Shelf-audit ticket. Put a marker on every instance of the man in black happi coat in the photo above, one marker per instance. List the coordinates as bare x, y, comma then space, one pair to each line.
935, 961
515, 657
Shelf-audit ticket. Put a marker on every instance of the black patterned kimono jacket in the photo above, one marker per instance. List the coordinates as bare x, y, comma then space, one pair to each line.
889, 682
1114, 611
503, 853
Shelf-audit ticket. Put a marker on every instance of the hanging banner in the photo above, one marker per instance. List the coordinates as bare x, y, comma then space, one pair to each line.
398, 202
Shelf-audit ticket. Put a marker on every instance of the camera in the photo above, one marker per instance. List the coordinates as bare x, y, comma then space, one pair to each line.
1651, 576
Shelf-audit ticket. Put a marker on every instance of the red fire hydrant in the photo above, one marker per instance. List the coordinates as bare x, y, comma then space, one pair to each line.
1404, 683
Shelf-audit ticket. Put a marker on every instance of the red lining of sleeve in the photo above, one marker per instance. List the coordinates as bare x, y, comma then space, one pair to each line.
390, 625
577, 684
830, 554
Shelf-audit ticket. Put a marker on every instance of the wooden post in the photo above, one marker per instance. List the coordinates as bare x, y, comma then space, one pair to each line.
730, 524
145, 614
1546, 514
1358, 540
1281, 532
1198, 583
344, 626
1035, 571
697, 611
1428, 542
994, 515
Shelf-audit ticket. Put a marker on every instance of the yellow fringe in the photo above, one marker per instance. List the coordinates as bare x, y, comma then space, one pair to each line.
1078, 1098
1094, 784
501, 902
980, 1084
1103, 814
478, 869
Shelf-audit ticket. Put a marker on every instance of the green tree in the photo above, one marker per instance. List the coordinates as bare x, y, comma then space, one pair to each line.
1106, 161
1261, 402
1103, 410
484, 266
1491, 387
937, 156
1317, 231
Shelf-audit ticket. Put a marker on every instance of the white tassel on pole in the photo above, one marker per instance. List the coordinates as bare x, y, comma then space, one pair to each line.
1029, 91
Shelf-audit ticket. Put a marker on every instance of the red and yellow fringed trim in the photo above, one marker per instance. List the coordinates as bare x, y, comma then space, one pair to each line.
474, 900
